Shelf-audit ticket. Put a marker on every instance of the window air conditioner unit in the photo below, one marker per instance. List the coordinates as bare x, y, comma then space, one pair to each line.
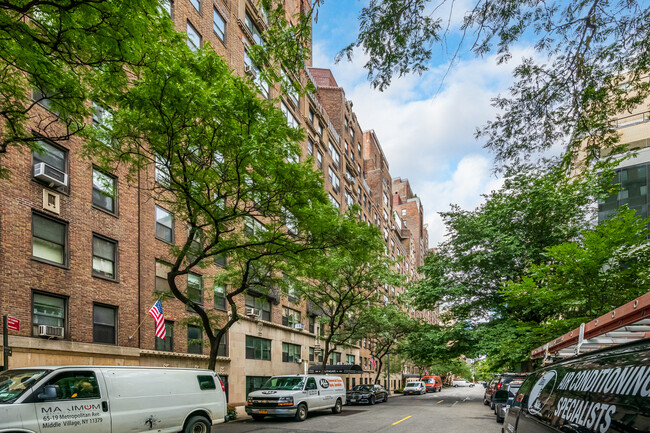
248, 70
50, 331
49, 174
298, 361
253, 312
299, 326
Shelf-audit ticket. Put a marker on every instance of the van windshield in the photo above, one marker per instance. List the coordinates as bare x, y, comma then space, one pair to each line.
14, 382
284, 383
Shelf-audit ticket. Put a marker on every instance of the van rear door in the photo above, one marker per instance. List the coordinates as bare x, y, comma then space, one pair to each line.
80, 405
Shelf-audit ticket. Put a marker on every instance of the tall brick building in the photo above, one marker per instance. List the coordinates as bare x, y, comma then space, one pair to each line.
83, 258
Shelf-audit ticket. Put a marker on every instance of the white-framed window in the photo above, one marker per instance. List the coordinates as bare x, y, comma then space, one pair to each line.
310, 147
335, 202
49, 239
164, 225
252, 226
291, 119
255, 31
385, 199
254, 71
218, 25
193, 37
104, 257
336, 157
196, 4
348, 198
104, 191
334, 180
319, 159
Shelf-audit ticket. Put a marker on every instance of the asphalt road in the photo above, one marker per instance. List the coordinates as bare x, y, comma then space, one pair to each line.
454, 410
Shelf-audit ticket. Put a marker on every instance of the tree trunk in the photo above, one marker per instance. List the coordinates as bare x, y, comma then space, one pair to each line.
380, 363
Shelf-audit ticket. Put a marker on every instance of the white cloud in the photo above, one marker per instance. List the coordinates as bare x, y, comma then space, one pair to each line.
428, 136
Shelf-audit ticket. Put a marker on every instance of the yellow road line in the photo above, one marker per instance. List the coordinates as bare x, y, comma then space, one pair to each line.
403, 419
440, 401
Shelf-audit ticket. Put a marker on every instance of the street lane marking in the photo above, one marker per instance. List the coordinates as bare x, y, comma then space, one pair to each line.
440, 401
403, 419
455, 403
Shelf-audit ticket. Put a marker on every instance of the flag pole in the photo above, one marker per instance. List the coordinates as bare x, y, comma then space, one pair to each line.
145, 318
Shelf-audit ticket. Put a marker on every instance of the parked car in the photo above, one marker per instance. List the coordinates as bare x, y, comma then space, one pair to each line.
601, 391
370, 394
503, 380
416, 387
295, 396
432, 383
503, 399
489, 390
68, 399
461, 382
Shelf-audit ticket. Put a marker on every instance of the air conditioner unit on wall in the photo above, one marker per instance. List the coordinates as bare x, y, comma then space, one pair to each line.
253, 312
49, 174
299, 326
50, 331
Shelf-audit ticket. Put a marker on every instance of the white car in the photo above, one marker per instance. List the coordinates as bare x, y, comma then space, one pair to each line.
461, 382
295, 396
91, 399
417, 387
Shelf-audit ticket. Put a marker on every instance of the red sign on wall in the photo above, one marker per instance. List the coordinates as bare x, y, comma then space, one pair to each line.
13, 323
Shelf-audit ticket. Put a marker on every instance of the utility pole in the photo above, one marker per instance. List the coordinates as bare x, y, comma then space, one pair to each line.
388, 372
5, 344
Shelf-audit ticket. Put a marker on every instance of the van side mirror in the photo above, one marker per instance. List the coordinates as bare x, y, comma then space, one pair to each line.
501, 396
49, 393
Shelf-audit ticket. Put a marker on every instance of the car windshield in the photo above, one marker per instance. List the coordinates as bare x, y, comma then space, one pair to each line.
430, 380
284, 383
413, 384
362, 388
14, 382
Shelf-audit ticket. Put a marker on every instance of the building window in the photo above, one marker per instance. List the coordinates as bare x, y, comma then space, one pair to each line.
164, 225
320, 129
253, 70
319, 160
335, 202
334, 180
311, 116
359, 148
166, 345
196, 4
167, 6
291, 119
104, 324
161, 174
219, 296
104, 191
219, 25
193, 37
222, 350
255, 31
49, 239
290, 317
48, 310
258, 348
162, 269
349, 359
194, 289
221, 260
312, 324
348, 198
290, 352
633, 192
194, 340
260, 303
385, 199
335, 358
104, 257
252, 226
311, 354
310, 147
253, 383
57, 159
335, 155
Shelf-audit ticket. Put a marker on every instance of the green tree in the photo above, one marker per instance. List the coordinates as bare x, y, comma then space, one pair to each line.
59, 54
225, 163
341, 283
385, 326
565, 94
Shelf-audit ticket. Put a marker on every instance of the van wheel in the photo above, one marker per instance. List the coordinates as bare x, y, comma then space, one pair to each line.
301, 413
338, 407
257, 417
197, 424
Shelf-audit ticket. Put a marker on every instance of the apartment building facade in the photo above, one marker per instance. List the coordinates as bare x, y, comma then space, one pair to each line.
83, 260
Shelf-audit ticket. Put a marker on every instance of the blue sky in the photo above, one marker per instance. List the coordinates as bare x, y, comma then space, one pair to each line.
425, 124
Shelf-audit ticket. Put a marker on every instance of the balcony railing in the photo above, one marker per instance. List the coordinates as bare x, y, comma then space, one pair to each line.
631, 120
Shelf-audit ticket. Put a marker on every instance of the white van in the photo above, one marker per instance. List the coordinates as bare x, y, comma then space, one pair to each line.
90, 399
295, 396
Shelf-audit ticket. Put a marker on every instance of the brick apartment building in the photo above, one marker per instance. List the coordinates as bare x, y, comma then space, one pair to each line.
81, 267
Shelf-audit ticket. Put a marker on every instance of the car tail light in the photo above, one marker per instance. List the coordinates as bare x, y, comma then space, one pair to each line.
499, 385
223, 388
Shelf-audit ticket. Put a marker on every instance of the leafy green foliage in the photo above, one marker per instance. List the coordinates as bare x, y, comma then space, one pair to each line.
67, 51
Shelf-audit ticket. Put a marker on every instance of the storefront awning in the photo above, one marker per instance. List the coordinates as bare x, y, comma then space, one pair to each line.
336, 369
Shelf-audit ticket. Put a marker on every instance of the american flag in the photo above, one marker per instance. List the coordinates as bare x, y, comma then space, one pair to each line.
157, 314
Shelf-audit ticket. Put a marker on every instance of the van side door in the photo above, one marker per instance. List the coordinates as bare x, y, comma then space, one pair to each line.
78, 402
312, 396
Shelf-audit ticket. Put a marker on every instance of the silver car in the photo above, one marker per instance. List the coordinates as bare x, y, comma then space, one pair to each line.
415, 388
